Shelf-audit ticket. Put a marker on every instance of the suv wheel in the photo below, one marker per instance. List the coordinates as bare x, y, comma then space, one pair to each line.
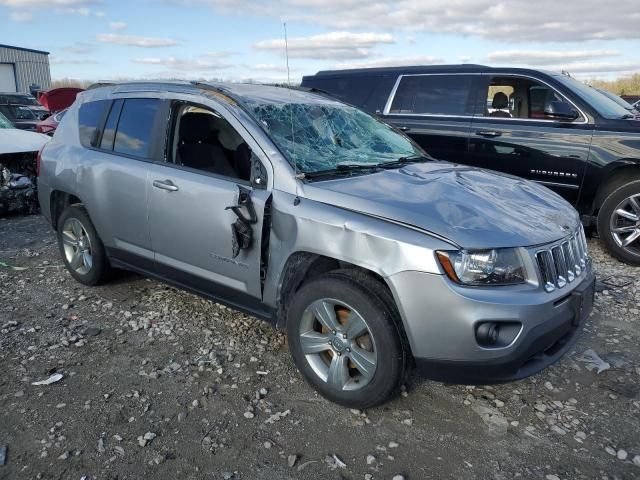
81, 248
619, 223
345, 340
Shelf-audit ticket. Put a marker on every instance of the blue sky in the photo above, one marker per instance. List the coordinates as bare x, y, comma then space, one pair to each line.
239, 40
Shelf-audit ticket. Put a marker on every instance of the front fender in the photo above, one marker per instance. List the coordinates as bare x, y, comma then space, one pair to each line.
374, 244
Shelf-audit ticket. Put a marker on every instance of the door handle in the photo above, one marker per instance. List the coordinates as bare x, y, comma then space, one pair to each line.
167, 185
488, 133
405, 128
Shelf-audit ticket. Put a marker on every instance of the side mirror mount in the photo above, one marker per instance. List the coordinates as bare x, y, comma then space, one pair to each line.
560, 110
258, 173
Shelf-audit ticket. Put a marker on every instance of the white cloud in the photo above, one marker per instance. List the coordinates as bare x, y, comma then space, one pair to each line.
184, 65
514, 21
134, 41
24, 10
393, 62
83, 11
332, 45
597, 67
21, 16
45, 3
80, 48
545, 57
268, 67
117, 25
71, 61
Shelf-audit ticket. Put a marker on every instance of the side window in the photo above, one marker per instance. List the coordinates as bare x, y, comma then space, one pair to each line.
434, 94
135, 127
519, 97
204, 140
109, 132
89, 118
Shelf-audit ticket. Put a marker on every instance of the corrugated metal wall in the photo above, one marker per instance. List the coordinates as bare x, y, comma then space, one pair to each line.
30, 67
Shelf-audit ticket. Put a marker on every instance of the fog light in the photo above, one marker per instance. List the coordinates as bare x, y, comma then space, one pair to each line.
487, 333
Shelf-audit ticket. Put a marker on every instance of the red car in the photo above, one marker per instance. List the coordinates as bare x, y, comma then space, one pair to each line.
56, 100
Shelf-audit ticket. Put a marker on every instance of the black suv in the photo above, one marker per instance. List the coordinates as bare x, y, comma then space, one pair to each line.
538, 125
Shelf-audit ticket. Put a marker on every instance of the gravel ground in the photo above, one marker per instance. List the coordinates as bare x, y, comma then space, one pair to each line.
157, 383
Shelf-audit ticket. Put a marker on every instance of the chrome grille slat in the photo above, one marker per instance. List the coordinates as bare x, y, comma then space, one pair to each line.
561, 263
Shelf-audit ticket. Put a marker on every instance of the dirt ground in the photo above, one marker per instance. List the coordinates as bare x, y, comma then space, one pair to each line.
158, 383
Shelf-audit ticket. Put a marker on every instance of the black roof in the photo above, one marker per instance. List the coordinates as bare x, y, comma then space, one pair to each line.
24, 49
466, 67
461, 68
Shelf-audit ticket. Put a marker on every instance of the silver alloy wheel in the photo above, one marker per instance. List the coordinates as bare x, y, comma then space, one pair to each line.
338, 344
77, 246
625, 224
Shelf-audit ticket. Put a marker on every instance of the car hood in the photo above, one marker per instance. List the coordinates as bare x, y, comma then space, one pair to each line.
470, 207
13, 140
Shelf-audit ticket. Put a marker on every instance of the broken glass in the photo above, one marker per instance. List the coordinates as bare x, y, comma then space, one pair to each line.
317, 137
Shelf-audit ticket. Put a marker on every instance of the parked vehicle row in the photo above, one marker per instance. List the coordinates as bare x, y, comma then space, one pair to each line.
316, 216
537, 125
27, 113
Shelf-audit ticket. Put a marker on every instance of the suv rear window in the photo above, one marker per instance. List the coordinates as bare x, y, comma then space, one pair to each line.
135, 127
89, 118
434, 95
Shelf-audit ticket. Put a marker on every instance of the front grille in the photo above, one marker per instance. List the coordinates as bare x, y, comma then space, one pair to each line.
562, 263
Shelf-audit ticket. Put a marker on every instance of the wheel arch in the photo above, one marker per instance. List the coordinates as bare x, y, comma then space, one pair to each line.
59, 201
302, 266
618, 173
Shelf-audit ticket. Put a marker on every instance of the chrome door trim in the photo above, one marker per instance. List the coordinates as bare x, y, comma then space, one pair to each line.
556, 184
387, 107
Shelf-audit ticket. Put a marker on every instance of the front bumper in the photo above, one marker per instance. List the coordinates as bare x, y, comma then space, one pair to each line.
441, 318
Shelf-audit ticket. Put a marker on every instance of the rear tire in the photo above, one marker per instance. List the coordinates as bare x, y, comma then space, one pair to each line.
619, 222
81, 248
367, 359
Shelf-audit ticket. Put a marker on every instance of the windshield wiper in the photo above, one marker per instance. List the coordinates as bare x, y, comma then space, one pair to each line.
343, 169
627, 115
404, 161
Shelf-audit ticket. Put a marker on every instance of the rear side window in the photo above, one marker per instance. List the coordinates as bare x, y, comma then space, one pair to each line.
434, 95
109, 133
89, 118
135, 128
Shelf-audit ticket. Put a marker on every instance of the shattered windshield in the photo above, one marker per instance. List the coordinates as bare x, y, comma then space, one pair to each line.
317, 137
4, 122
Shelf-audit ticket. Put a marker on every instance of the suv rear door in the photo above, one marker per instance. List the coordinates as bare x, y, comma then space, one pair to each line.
517, 137
121, 138
192, 227
435, 110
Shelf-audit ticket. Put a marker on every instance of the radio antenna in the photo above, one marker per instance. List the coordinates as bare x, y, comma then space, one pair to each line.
296, 201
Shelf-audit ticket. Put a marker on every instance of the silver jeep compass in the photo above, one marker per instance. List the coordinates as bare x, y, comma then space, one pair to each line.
321, 219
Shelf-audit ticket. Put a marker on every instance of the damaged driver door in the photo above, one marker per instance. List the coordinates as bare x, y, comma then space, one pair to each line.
201, 242
205, 218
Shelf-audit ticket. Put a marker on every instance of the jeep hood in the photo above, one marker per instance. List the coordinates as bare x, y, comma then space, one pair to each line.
470, 207
13, 140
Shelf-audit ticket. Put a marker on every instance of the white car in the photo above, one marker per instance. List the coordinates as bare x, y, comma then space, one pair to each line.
18, 167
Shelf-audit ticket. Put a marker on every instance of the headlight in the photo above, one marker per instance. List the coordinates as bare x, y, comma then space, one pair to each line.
500, 266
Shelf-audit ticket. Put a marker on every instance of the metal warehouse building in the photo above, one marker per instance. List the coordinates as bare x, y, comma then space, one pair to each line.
23, 68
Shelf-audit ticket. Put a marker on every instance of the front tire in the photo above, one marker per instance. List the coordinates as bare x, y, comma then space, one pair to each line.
81, 248
345, 339
619, 223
